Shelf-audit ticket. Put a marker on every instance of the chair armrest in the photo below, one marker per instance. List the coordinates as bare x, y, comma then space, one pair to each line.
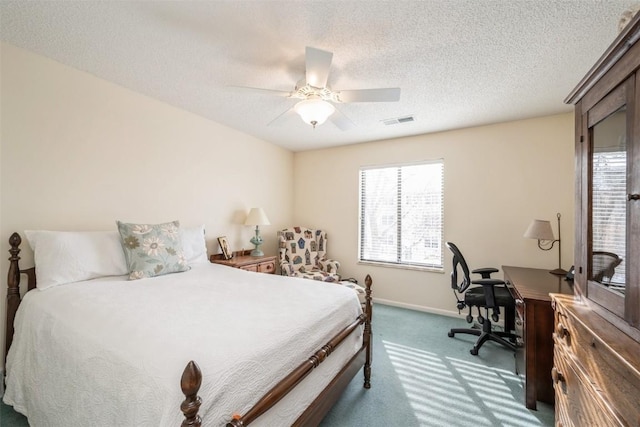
329, 265
485, 272
489, 293
286, 269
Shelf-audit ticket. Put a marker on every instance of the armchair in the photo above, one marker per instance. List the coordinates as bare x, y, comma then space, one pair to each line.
302, 253
491, 294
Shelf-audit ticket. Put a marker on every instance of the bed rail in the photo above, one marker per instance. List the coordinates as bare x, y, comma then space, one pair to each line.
290, 381
192, 377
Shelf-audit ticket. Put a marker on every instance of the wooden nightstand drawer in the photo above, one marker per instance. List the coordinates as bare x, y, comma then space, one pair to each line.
244, 261
267, 267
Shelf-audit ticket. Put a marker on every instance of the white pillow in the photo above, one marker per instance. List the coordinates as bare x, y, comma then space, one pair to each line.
71, 256
194, 244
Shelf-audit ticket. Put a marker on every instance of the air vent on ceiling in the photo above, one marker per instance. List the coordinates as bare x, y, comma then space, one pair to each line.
398, 120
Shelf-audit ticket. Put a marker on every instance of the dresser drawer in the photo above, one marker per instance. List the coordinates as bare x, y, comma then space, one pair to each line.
267, 267
520, 360
245, 261
610, 374
578, 403
262, 267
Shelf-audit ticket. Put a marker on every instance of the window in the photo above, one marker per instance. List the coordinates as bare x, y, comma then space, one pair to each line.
401, 214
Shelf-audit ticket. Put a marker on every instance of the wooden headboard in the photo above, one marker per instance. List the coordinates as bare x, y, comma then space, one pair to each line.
13, 288
191, 377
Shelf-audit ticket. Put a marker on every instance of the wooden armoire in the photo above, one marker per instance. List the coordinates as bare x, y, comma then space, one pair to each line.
596, 371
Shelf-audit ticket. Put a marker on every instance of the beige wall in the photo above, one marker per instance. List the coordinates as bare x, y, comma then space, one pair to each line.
497, 179
78, 153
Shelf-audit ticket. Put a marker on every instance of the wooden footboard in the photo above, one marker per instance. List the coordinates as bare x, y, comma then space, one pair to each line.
325, 400
192, 376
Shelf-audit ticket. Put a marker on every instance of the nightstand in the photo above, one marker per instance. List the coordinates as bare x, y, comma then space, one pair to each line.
244, 261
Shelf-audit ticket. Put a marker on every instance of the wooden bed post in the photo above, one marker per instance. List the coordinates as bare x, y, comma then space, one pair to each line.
368, 339
190, 383
13, 291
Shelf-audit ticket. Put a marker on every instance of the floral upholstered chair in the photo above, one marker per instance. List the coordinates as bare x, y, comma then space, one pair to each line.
302, 253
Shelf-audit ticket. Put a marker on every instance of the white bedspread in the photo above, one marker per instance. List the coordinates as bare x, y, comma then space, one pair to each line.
110, 352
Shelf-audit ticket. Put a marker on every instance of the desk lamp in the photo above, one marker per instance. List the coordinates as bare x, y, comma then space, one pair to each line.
541, 231
257, 217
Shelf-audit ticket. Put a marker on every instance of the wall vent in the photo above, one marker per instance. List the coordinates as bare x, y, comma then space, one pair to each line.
398, 120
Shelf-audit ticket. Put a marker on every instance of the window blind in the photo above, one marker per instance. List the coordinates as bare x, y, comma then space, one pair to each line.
401, 214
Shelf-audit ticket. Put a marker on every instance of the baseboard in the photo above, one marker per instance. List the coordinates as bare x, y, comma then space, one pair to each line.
419, 308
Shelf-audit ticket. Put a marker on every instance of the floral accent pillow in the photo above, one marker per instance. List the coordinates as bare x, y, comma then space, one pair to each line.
152, 250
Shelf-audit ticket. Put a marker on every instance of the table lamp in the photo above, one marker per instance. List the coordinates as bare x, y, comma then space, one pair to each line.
542, 232
257, 217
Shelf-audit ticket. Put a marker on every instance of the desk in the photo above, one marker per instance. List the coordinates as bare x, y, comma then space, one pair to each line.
530, 287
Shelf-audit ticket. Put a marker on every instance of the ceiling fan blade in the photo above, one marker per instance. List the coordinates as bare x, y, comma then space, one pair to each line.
317, 65
390, 94
260, 90
280, 118
343, 122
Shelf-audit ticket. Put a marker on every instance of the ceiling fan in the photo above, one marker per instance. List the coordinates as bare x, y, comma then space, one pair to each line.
317, 98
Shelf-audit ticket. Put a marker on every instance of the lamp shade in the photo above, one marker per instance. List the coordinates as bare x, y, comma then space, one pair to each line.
539, 229
257, 217
314, 111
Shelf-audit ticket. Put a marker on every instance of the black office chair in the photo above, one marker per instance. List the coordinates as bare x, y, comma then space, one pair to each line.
491, 294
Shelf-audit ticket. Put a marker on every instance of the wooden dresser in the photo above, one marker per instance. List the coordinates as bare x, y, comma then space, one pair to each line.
596, 336
596, 371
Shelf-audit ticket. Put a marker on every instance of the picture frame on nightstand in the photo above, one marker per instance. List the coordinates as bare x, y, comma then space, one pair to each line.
224, 247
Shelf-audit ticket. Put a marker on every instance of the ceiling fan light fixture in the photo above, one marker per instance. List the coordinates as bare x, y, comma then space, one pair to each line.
314, 111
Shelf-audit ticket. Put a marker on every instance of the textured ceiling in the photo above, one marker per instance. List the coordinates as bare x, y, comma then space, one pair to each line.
459, 63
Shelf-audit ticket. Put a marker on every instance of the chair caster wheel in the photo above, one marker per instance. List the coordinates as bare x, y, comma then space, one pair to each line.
495, 318
481, 320
474, 351
469, 318
451, 334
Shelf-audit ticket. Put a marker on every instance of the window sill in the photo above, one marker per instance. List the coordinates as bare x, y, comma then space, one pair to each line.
403, 266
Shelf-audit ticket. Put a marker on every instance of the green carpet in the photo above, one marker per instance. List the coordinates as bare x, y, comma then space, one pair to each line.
421, 377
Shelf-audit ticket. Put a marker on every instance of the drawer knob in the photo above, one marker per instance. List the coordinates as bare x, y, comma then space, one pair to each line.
556, 376
561, 331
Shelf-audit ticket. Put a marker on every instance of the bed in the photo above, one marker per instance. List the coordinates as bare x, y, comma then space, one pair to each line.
247, 341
